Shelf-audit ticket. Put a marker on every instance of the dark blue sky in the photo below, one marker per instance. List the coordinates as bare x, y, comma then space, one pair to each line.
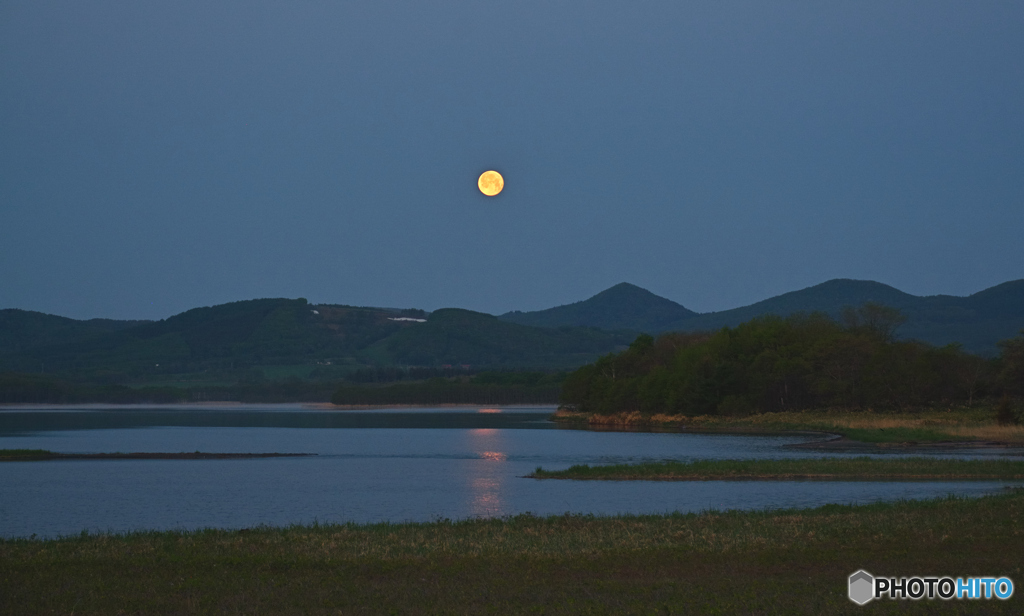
157, 156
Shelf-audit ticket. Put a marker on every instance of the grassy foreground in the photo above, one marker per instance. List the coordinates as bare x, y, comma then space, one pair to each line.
976, 423
829, 469
792, 561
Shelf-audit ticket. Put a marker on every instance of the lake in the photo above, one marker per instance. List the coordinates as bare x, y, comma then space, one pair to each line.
391, 465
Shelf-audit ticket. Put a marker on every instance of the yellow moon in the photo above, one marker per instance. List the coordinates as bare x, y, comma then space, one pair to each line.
490, 183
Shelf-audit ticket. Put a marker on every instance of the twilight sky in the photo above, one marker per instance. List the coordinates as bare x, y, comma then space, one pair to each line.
158, 156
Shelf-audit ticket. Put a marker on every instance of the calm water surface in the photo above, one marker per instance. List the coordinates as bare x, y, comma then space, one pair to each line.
380, 465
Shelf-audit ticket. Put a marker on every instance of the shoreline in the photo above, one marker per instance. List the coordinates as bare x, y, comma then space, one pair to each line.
838, 430
825, 478
844, 444
320, 406
49, 455
825, 427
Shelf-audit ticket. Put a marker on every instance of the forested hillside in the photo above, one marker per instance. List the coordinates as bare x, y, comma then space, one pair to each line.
228, 336
454, 336
22, 330
231, 338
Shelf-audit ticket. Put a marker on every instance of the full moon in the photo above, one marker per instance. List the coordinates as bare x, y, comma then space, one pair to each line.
490, 183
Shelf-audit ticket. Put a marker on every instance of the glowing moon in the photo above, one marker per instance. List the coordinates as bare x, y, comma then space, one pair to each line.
490, 183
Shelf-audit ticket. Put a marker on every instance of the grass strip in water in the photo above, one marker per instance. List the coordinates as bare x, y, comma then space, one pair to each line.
825, 469
764, 562
24, 454
20, 455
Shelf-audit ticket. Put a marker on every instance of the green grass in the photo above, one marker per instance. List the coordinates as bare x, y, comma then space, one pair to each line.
861, 468
25, 453
765, 562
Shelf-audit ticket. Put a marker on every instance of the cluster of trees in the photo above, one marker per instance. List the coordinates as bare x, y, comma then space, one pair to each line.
799, 362
1011, 366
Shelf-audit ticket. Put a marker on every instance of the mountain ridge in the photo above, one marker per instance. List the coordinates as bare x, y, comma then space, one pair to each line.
977, 321
275, 332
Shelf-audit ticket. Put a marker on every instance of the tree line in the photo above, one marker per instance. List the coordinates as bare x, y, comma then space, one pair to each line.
511, 387
799, 362
496, 388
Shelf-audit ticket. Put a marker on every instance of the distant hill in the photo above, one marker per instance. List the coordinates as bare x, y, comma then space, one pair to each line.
273, 332
246, 333
622, 307
830, 297
21, 330
977, 322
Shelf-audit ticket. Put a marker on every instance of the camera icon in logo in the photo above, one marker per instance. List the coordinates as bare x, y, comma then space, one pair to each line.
862, 584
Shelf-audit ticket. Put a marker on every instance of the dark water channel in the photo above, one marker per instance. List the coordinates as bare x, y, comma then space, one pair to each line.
380, 465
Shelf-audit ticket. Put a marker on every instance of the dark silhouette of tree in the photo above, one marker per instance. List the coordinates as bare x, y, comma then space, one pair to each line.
1011, 374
